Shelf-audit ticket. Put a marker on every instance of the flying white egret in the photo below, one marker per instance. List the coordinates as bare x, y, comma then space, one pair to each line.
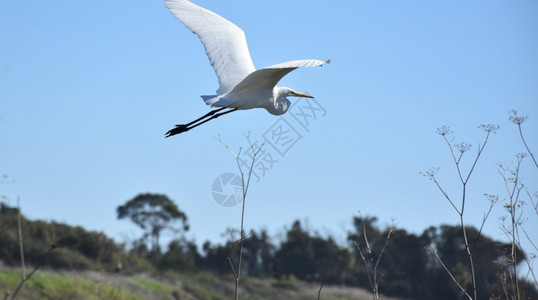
241, 86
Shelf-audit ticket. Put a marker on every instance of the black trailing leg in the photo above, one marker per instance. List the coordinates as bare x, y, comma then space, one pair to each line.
205, 118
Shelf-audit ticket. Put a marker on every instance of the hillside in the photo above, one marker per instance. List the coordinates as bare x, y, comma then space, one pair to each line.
79, 264
202, 285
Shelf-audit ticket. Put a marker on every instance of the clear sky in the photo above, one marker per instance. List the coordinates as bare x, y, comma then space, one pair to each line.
88, 89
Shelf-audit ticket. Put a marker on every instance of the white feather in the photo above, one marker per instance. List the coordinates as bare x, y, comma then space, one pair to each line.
224, 42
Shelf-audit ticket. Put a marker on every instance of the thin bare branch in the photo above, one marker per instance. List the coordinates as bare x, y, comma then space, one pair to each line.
526, 257
320, 287
384, 247
456, 160
434, 252
469, 256
529, 239
228, 148
371, 271
534, 204
526, 146
363, 257
21, 248
518, 120
364, 234
446, 196
21, 284
480, 150
244, 187
493, 200
232, 267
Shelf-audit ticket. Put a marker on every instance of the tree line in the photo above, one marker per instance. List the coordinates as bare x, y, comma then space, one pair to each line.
404, 266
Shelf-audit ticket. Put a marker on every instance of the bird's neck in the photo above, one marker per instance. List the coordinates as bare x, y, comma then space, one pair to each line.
280, 103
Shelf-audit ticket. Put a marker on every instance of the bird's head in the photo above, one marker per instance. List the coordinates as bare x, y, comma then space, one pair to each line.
287, 92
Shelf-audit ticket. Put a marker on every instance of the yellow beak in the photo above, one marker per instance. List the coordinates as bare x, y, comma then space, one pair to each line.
298, 94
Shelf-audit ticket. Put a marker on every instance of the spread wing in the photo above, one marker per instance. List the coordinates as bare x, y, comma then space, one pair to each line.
267, 78
224, 42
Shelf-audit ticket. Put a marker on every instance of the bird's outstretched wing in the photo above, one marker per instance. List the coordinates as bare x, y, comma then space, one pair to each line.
267, 78
224, 42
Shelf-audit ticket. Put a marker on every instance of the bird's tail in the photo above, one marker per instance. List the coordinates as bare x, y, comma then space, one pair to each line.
210, 99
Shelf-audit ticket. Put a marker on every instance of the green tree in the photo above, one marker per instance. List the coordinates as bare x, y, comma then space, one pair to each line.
153, 213
296, 255
181, 255
75, 247
311, 258
404, 265
257, 254
215, 257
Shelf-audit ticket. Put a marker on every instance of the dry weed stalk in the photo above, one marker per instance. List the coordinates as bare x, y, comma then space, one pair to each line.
514, 206
518, 120
434, 252
24, 277
321, 287
457, 151
366, 255
244, 188
515, 189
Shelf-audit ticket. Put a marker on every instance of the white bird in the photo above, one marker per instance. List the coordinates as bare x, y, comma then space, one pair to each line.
241, 86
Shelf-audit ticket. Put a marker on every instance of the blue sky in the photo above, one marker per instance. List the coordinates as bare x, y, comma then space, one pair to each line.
88, 89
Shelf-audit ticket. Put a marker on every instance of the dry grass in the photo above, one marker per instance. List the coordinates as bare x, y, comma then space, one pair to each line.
94, 285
